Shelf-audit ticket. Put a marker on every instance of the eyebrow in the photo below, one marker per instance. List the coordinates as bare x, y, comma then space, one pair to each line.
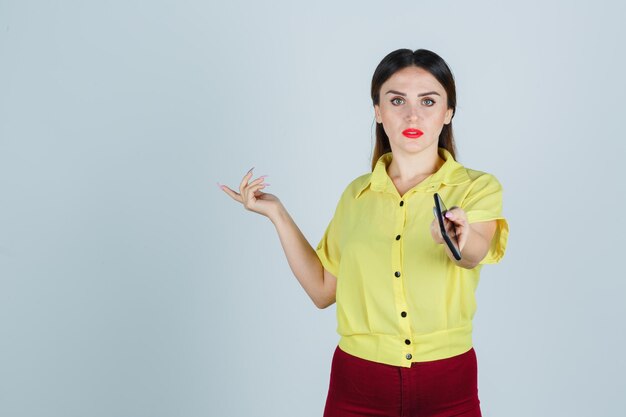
419, 95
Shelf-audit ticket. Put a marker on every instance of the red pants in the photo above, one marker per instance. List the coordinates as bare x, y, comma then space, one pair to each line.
441, 388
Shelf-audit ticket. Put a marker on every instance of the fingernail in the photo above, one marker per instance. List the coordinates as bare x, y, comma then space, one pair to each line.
249, 171
264, 176
266, 184
221, 187
448, 215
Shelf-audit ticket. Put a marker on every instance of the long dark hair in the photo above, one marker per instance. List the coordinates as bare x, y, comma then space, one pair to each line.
431, 62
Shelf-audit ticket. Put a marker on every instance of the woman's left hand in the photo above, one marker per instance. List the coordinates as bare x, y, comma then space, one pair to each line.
455, 219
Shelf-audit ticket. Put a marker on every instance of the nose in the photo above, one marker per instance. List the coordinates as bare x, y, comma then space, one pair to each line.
413, 113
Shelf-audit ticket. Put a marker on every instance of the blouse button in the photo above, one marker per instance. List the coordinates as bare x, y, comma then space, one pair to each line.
407, 341
409, 356
398, 237
401, 203
403, 314
397, 274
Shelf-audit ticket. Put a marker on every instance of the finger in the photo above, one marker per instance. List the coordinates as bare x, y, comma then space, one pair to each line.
462, 240
245, 179
432, 229
435, 230
258, 180
450, 229
453, 229
460, 237
259, 193
458, 220
456, 213
235, 195
251, 191
260, 186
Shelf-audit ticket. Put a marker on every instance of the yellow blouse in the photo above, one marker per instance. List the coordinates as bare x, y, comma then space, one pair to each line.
399, 298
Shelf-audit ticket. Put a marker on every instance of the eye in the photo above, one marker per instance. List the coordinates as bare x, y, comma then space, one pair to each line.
428, 102
396, 98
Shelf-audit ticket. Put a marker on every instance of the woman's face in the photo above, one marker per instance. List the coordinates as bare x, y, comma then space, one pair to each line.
412, 99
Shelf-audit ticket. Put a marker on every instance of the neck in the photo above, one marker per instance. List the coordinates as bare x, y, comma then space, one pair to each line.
407, 167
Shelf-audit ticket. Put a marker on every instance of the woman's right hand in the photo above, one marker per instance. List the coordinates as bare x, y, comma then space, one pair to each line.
251, 196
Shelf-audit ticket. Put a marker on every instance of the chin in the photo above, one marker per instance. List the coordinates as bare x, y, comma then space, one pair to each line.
418, 144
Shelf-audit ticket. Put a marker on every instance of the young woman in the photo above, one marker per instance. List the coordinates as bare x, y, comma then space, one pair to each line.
404, 303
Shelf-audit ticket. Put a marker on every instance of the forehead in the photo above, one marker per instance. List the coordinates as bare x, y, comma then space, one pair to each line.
412, 80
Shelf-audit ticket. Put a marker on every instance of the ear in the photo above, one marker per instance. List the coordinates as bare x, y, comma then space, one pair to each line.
448, 118
379, 119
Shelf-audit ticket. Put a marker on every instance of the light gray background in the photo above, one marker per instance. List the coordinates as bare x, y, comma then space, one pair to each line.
130, 285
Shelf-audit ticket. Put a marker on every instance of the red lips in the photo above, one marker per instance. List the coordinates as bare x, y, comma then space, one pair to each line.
412, 133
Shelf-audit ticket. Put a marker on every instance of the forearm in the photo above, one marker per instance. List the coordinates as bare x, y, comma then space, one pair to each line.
301, 256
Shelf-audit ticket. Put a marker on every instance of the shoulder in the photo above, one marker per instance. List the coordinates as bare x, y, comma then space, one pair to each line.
354, 188
352, 191
479, 178
482, 194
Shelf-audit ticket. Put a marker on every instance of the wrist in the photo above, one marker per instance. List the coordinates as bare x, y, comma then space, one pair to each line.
278, 215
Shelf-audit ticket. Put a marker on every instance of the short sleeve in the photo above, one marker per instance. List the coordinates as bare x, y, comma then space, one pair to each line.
483, 203
328, 249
